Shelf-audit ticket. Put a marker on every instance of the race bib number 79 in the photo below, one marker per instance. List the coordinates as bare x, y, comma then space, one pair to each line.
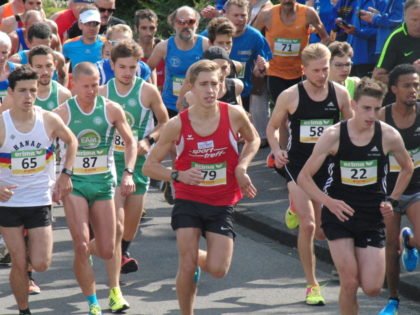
359, 173
213, 174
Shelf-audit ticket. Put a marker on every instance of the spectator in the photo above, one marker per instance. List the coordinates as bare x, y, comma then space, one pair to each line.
326, 12
344, 10
403, 45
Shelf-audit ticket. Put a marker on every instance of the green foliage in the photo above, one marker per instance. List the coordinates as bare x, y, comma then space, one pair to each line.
52, 6
126, 10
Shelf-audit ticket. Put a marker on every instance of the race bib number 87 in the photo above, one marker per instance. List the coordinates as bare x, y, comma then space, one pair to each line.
29, 162
359, 173
213, 174
89, 162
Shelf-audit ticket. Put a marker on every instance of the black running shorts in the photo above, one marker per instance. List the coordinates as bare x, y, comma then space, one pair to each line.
29, 217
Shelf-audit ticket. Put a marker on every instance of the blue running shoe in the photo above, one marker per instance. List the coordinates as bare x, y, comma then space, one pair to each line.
410, 255
197, 275
391, 308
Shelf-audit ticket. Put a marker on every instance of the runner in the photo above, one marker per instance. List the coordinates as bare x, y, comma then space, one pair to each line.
27, 176
210, 178
6, 67
93, 119
403, 115
353, 198
140, 101
311, 106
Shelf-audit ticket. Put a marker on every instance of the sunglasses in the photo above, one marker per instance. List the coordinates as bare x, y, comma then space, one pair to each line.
183, 22
102, 10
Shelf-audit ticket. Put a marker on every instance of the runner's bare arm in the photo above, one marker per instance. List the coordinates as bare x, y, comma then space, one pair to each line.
261, 22
394, 143
326, 145
313, 19
153, 168
158, 54
152, 99
63, 94
7, 103
344, 102
241, 123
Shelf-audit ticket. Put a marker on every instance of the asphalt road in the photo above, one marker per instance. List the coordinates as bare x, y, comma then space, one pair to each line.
265, 277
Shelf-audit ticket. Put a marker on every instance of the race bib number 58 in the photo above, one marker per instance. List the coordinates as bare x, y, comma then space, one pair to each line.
312, 129
213, 174
359, 173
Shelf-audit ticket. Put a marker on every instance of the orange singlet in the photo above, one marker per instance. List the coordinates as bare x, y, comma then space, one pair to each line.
287, 42
7, 11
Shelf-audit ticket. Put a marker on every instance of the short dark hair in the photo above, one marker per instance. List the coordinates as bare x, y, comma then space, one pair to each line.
370, 87
39, 30
21, 74
340, 49
144, 14
220, 26
400, 70
126, 48
39, 50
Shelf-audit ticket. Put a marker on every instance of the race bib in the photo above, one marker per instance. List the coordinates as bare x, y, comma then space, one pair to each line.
359, 173
214, 174
27, 163
119, 145
286, 47
89, 162
414, 154
176, 85
241, 74
311, 130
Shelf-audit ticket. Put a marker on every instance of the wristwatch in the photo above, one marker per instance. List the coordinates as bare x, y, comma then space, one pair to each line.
150, 139
67, 172
174, 176
393, 202
129, 170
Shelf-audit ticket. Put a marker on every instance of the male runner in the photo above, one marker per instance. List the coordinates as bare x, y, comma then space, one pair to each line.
93, 119
140, 101
26, 179
311, 107
354, 197
403, 115
210, 177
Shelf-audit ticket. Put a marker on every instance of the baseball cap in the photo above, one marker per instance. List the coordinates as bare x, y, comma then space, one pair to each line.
90, 16
215, 52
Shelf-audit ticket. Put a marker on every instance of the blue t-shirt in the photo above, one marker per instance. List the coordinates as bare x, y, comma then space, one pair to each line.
246, 49
326, 12
106, 73
177, 63
5, 84
76, 51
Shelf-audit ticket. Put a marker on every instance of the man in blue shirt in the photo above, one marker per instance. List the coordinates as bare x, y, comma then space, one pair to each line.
86, 47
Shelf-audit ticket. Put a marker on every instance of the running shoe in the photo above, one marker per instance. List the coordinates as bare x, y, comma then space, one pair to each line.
33, 287
95, 309
291, 218
410, 255
128, 264
270, 160
116, 301
313, 296
391, 308
197, 275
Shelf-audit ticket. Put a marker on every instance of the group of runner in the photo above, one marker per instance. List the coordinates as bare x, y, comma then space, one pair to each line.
348, 161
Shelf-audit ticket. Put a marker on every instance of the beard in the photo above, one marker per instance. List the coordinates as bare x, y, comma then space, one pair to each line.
186, 37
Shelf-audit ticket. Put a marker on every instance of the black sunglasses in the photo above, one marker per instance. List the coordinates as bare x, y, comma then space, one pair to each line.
105, 9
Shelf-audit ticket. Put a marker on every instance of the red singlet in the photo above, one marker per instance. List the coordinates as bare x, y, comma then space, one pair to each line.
217, 156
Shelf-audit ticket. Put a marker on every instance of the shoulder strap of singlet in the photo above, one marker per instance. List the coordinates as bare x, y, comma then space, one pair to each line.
331, 91
388, 115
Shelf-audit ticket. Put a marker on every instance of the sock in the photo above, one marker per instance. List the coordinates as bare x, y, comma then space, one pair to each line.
92, 299
124, 246
25, 312
30, 274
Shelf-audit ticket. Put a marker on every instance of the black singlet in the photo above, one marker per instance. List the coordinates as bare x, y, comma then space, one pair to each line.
358, 173
411, 137
230, 95
308, 123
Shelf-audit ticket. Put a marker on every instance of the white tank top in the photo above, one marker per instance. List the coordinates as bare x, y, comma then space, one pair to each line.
27, 160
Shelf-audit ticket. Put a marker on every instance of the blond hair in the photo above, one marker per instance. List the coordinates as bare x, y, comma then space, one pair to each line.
315, 52
202, 66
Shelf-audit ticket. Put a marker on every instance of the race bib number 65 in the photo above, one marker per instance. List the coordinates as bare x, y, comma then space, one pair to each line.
29, 162
213, 174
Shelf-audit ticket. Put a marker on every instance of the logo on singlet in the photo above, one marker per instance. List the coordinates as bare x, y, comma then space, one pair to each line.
89, 139
175, 61
131, 102
130, 118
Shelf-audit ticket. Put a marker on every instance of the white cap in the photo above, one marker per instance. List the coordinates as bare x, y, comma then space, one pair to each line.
90, 16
